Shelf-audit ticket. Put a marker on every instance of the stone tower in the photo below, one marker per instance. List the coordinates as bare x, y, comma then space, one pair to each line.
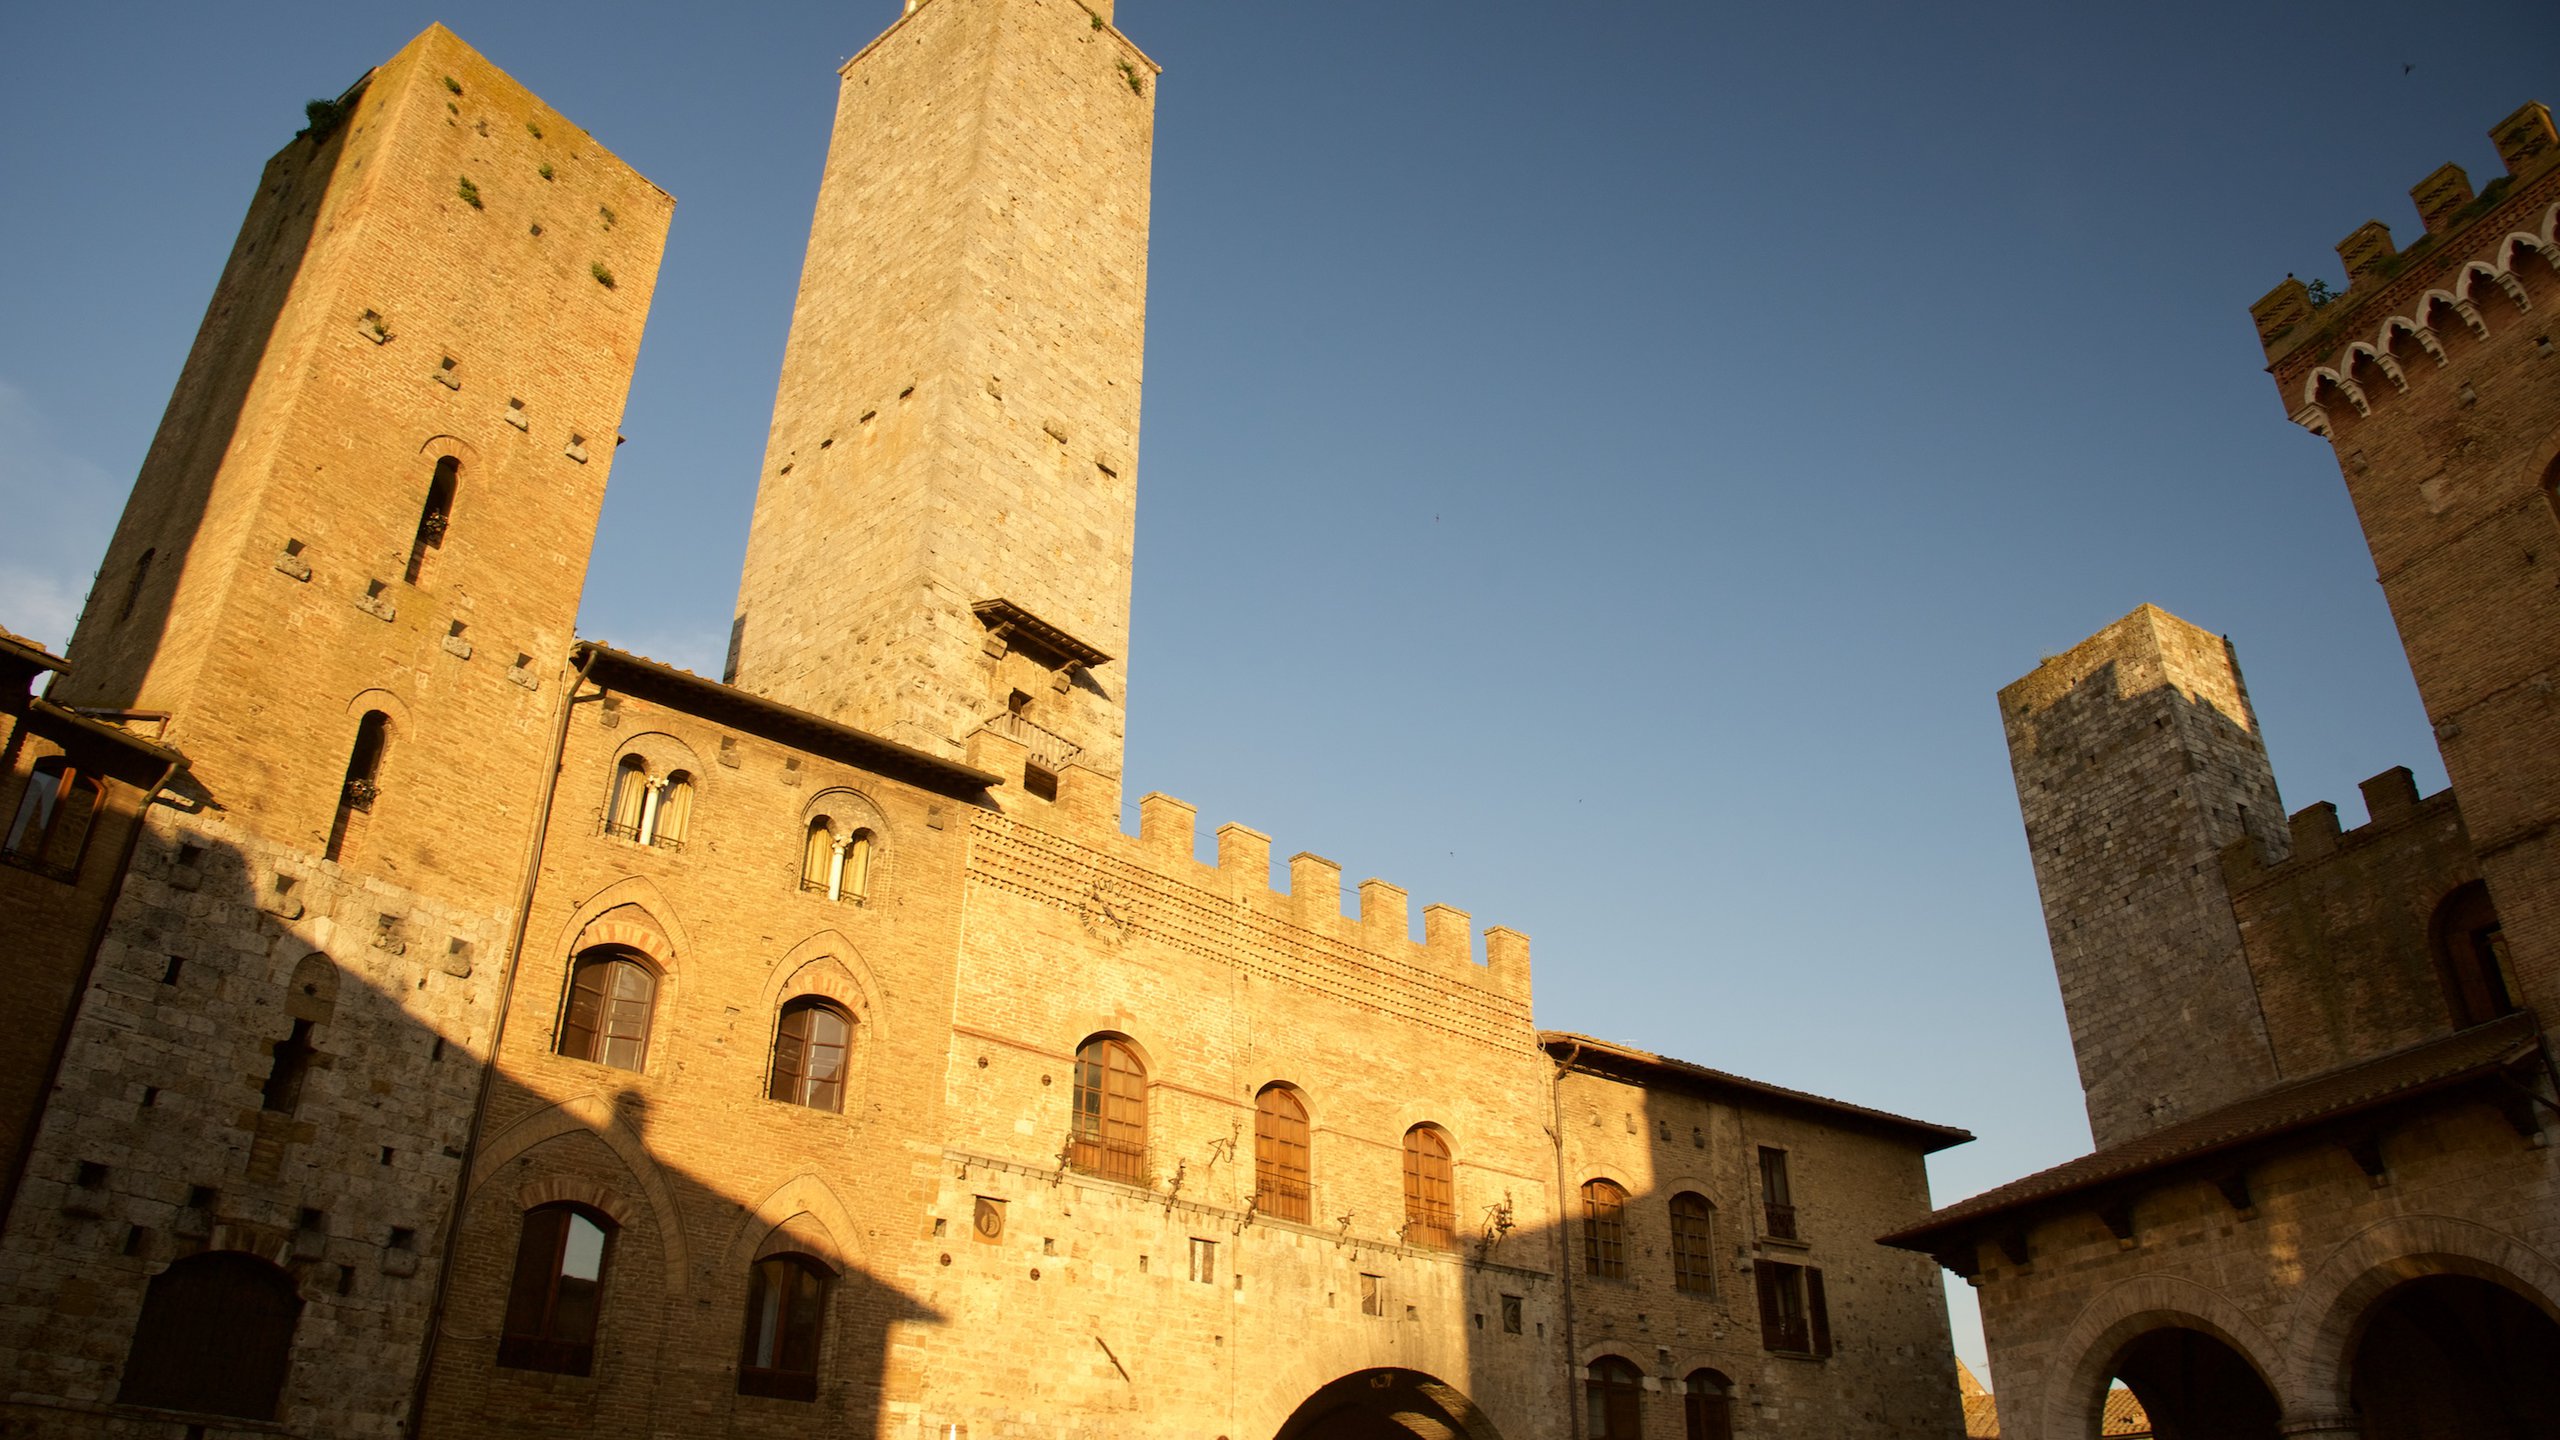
2436, 380
944, 522
376, 484
2138, 759
344, 588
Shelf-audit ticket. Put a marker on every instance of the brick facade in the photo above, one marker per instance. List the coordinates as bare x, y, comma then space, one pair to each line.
450, 997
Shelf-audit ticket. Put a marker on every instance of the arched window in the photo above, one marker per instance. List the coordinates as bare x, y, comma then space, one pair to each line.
818, 856
809, 1049
611, 996
1604, 1230
629, 800
675, 810
133, 587
1430, 1193
1615, 1394
2471, 956
1708, 1406
435, 516
1109, 1136
362, 787
553, 1301
50, 830
1280, 1154
215, 1337
1693, 1221
786, 1315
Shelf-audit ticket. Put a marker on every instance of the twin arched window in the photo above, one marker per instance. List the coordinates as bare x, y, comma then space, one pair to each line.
810, 1047
786, 1317
1430, 1190
836, 862
1280, 1175
613, 994
555, 1297
51, 828
649, 809
1108, 1136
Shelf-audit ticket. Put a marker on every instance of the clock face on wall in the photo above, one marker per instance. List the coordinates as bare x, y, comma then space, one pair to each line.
990, 1220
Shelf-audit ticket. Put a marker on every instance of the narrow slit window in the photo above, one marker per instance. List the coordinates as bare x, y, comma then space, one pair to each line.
133, 587
436, 517
361, 788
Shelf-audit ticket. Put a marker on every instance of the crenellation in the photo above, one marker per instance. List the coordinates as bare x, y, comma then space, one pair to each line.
1165, 824
1316, 884
1244, 856
1383, 916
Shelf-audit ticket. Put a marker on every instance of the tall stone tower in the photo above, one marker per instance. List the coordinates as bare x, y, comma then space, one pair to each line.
345, 582
944, 523
2436, 380
2138, 759
375, 488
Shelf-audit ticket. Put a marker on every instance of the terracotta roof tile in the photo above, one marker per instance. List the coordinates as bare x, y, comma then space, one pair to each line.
2449, 1059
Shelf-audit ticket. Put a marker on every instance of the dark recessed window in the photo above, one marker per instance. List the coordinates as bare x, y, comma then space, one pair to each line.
611, 997
809, 1050
1708, 1406
1777, 1199
215, 1337
786, 1315
1793, 1315
554, 1300
434, 517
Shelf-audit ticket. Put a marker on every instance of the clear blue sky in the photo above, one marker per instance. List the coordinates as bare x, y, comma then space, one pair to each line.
1599, 460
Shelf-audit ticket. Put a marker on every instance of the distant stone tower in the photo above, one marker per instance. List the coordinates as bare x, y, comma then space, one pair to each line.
345, 581
2138, 759
945, 519
375, 488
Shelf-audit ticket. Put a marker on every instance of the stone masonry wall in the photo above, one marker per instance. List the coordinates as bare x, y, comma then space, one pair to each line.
2137, 759
1892, 1371
957, 418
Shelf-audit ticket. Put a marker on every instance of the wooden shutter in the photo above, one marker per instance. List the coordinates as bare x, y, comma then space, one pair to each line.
1819, 1312
1280, 1154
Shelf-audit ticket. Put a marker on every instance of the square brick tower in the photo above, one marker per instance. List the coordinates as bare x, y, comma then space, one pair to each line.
2436, 379
345, 582
944, 522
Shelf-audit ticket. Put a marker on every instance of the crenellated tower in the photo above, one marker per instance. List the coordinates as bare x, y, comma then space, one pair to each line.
2435, 377
944, 523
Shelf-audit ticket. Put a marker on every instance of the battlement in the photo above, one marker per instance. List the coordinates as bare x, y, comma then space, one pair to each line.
2391, 803
2400, 306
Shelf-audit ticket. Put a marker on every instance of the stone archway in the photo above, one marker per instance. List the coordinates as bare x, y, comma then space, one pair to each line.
1388, 1404
2195, 1387
2453, 1357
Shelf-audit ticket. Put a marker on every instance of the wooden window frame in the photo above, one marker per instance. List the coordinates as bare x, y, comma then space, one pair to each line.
1430, 1189
793, 1080
1613, 1398
537, 1332
778, 1326
1604, 1229
1282, 1154
1693, 1243
606, 1016
1777, 1196
1706, 1408
1107, 1126
1795, 1314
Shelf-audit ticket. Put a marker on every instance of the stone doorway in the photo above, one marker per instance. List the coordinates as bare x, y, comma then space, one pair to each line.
2454, 1357
2194, 1387
1388, 1405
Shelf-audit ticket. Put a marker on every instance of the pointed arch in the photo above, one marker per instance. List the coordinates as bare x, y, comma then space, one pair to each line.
654, 931
594, 1115
805, 1213
825, 964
